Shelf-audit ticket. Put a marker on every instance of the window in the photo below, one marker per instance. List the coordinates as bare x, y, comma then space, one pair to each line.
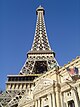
71, 103
46, 106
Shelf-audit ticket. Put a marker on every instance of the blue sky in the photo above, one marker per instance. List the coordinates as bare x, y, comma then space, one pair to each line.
17, 27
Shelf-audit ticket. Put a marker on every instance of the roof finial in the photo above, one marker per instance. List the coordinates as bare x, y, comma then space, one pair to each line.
40, 8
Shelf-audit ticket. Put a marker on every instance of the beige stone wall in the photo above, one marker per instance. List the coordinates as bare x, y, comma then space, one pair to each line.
59, 92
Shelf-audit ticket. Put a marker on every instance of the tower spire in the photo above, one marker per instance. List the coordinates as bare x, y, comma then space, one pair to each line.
40, 42
40, 58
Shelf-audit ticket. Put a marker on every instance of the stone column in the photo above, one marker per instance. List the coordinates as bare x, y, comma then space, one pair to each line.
53, 99
42, 102
36, 103
13, 86
78, 89
39, 103
28, 89
58, 99
16, 86
49, 99
62, 100
24, 86
76, 98
9, 86
20, 86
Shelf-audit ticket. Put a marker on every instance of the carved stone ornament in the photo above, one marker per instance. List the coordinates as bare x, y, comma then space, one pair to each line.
43, 84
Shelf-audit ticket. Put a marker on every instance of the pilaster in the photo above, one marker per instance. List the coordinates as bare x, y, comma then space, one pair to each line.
36, 103
76, 98
39, 102
78, 89
62, 100
58, 99
53, 99
49, 99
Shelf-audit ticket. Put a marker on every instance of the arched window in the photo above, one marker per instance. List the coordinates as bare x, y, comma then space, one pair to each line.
71, 103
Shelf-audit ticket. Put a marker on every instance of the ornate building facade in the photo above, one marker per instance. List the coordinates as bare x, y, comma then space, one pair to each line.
41, 81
